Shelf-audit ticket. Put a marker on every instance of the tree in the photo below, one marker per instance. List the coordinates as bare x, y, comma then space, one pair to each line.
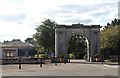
77, 44
45, 36
108, 24
114, 22
109, 39
29, 40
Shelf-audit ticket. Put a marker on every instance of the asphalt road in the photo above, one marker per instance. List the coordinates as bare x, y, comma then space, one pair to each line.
75, 68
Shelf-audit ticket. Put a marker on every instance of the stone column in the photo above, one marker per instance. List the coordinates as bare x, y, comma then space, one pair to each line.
56, 44
15, 53
91, 46
64, 43
98, 41
95, 42
88, 54
65, 47
88, 51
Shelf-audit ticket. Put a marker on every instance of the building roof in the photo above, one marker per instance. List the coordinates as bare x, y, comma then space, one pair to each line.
16, 43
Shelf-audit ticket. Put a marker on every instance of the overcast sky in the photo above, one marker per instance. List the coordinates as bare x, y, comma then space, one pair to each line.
19, 18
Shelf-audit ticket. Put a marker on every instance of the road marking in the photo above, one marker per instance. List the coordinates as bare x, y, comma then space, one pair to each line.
110, 65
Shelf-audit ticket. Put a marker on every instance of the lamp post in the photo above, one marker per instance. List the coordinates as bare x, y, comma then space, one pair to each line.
40, 62
55, 61
20, 62
65, 59
102, 57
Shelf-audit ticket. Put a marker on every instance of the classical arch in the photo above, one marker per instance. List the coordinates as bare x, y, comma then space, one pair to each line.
63, 34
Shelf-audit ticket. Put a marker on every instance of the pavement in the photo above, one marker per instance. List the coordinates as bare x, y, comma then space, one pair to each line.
75, 68
0, 71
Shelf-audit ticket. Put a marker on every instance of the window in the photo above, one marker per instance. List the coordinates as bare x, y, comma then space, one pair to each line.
9, 53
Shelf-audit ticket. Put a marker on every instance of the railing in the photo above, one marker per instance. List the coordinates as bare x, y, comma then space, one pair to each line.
26, 60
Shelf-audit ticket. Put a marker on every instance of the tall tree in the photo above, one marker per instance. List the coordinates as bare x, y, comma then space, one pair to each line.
29, 40
45, 35
114, 22
108, 24
110, 39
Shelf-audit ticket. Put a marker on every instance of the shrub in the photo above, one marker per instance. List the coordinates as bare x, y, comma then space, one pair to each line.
78, 55
72, 56
85, 57
43, 55
96, 56
62, 55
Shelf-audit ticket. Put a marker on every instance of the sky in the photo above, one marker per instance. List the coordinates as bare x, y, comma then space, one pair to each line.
19, 18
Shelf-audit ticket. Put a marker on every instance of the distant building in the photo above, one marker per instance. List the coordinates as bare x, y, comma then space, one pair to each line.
16, 48
0, 51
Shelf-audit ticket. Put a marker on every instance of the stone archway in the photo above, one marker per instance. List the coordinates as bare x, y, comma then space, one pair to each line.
64, 32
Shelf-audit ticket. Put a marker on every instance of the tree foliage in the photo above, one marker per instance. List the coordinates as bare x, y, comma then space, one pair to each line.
45, 36
29, 40
114, 22
110, 37
77, 44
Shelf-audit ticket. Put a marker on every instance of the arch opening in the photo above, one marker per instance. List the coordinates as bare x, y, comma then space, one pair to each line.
78, 47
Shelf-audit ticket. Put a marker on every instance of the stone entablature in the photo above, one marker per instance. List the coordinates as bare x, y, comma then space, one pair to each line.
77, 26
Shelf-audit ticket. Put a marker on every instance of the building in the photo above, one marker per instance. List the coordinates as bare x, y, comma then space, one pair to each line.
17, 48
0, 51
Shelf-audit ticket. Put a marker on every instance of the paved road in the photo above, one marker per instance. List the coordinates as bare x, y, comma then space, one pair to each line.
76, 68
0, 71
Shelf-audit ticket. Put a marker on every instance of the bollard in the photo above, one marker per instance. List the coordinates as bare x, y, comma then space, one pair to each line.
69, 59
64, 60
20, 63
102, 59
40, 62
55, 61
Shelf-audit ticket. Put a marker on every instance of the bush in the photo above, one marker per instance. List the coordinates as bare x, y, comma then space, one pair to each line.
96, 56
72, 56
62, 55
41, 56
44, 56
81, 56
85, 57
78, 55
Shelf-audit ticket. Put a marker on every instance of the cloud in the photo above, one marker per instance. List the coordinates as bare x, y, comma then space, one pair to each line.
119, 9
78, 20
25, 15
12, 2
77, 8
73, 13
100, 13
12, 18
